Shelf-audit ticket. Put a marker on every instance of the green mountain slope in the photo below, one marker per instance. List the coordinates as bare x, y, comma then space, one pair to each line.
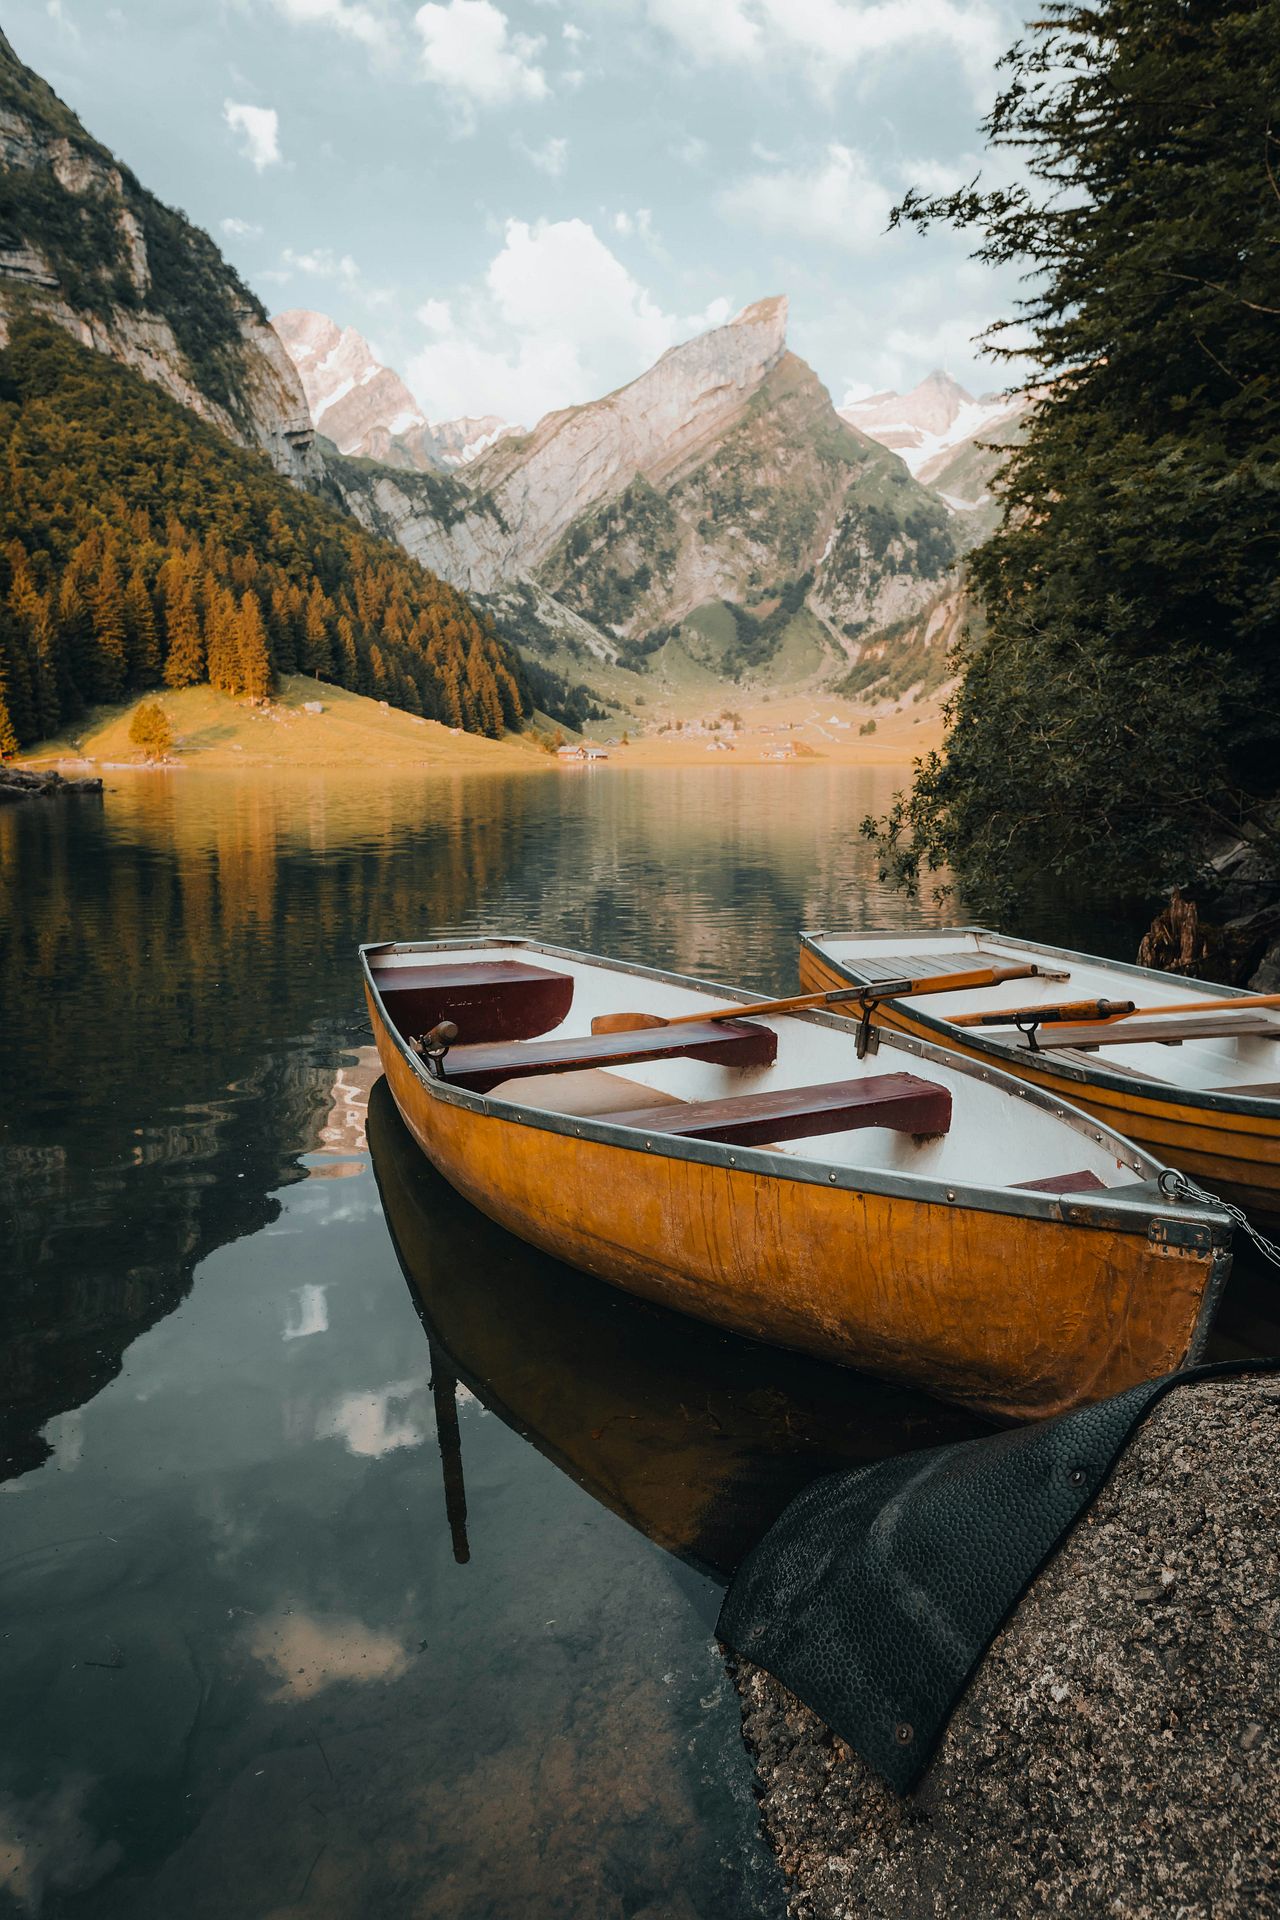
141, 547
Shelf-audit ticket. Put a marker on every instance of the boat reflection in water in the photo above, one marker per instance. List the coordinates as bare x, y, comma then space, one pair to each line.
696, 1437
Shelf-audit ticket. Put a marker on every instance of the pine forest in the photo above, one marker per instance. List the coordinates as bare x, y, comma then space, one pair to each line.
141, 549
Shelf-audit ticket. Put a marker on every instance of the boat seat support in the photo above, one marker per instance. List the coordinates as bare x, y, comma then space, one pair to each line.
728, 1043
899, 1101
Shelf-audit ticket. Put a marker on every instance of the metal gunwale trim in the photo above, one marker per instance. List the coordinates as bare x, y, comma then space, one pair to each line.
1106, 1211
1248, 1106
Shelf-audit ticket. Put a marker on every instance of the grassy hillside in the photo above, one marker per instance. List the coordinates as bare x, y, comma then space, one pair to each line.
141, 548
213, 730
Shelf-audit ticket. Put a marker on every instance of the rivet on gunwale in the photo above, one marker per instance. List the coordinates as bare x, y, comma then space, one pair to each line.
831, 1177
950, 1195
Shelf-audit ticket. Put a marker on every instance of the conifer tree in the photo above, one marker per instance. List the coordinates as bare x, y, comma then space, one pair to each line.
317, 654
33, 619
75, 632
348, 659
140, 536
8, 733
184, 630
140, 633
256, 677
222, 637
106, 605
15, 683
1120, 712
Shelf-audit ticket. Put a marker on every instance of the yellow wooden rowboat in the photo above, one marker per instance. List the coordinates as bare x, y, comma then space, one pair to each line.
909, 1213
694, 1437
1201, 1092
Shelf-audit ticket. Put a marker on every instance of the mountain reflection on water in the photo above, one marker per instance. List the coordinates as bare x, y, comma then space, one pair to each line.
244, 1666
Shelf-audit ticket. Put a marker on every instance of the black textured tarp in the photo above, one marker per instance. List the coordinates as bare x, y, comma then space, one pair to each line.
875, 1594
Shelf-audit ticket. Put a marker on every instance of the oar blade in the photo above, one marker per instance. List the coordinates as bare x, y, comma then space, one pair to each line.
626, 1022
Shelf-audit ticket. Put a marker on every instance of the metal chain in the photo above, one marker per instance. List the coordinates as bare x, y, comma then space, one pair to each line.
1176, 1186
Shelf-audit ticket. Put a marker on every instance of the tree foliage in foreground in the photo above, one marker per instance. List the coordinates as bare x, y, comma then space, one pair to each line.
138, 548
1120, 711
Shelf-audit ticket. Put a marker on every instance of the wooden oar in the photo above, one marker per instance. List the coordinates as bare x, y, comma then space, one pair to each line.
866, 996
1101, 1013
1078, 1012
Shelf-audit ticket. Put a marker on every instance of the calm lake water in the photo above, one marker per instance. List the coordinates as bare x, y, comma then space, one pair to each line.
354, 1559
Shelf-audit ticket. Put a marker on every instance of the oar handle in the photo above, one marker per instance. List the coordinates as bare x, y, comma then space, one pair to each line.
1079, 1012
1104, 1012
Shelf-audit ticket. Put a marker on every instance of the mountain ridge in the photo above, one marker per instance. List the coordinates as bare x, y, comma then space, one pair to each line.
82, 242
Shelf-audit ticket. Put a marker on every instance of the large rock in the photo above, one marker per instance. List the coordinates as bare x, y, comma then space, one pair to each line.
1118, 1753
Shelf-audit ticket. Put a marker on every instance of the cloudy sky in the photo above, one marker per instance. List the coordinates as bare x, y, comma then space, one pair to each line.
522, 203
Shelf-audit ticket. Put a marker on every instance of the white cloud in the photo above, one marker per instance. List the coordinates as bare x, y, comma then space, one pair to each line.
359, 22
710, 30
323, 263
831, 39
551, 158
574, 35
692, 150
62, 20
436, 316
239, 229
558, 320
838, 203
639, 222
259, 128
468, 47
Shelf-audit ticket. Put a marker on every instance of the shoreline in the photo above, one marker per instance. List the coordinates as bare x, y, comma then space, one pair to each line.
1117, 1749
311, 726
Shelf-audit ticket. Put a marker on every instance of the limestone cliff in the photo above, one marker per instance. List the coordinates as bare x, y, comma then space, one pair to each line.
577, 458
83, 243
779, 507
721, 485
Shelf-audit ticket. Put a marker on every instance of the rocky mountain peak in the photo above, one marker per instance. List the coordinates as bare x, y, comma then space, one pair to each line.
925, 423
583, 455
356, 402
365, 408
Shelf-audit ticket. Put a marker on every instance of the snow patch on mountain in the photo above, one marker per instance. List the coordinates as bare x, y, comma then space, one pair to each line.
928, 422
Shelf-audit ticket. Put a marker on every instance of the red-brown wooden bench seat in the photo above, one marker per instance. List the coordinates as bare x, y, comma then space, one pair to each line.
900, 1101
1084, 1181
485, 999
729, 1043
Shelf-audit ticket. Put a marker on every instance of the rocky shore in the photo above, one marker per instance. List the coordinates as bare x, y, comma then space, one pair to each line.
1118, 1753
21, 783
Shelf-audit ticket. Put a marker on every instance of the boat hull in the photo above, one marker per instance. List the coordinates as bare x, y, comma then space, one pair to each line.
1015, 1314
1233, 1154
